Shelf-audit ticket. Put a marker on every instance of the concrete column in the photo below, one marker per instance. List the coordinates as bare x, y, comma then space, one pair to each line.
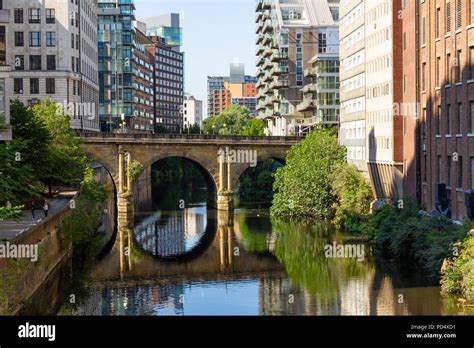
221, 172
121, 169
129, 183
229, 176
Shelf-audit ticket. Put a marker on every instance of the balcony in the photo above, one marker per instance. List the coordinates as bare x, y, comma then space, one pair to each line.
306, 105
260, 72
267, 77
282, 84
279, 55
263, 5
4, 16
259, 50
267, 51
260, 26
311, 72
267, 26
267, 65
259, 38
259, 60
311, 88
279, 70
267, 39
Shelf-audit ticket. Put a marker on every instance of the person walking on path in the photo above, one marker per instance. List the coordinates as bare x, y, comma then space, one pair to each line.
45, 208
33, 209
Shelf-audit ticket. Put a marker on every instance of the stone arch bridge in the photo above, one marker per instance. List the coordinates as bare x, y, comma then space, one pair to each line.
221, 159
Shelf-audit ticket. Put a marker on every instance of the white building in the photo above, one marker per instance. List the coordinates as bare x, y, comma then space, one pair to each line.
52, 45
192, 111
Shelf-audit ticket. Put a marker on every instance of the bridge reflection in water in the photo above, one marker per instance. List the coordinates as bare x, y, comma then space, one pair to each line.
200, 262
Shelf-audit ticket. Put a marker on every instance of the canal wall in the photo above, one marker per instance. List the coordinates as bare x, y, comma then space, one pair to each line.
22, 277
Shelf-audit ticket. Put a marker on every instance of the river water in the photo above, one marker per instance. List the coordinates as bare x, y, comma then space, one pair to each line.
196, 261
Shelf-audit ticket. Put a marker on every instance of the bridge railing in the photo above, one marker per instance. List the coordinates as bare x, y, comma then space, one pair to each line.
185, 136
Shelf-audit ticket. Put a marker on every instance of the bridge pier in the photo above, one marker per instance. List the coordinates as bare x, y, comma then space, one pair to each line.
225, 196
125, 202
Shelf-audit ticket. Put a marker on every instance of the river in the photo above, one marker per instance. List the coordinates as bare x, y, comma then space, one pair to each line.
195, 261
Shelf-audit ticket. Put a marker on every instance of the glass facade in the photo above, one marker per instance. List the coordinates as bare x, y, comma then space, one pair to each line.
173, 35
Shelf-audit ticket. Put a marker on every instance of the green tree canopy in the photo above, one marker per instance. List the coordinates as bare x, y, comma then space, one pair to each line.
232, 121
254, 127
303, 187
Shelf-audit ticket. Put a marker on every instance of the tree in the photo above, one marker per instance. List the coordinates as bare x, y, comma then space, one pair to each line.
303, 188
159, 129
254, 127
232, 121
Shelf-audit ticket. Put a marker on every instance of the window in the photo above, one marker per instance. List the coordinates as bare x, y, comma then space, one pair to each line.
50, 86
460, 173
437, 72
35, 62
35, 39
458, 66
472, 118
448, 119
50, 16
50, 38
448, 177
19, 16
18, 86
448, 69
423, 31
459, 119
471, 63
20, 62
34, 86
423, 77
72, 64
458, 14
34, 15
72, 40
19, 39
438, 121
438, 22
448, 17
51, 62
438, 169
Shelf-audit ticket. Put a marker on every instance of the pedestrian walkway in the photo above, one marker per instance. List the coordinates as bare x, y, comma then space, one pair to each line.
10, 229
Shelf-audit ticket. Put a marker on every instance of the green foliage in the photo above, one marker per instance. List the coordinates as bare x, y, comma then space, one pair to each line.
134, 170
230, 122
81, 225
353, 197
194, 129
14, 213
255, 184
414, 241
159, 129
16, 173
254, 127
458, 278
303, 187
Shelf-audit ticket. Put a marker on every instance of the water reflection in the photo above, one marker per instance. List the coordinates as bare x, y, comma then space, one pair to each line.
247, 265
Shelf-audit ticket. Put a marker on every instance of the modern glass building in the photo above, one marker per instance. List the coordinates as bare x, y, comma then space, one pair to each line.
116, 36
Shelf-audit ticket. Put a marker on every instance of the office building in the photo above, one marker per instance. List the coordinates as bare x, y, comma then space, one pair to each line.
52, 50
289, 34
192, 111
5, 81
446, 94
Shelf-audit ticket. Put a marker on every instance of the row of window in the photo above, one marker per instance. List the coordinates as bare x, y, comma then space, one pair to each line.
34, 15
35, 38
34, 86
450, 123
35, 62
450, 163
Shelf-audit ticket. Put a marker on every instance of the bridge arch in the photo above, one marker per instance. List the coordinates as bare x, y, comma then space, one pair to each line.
208, 172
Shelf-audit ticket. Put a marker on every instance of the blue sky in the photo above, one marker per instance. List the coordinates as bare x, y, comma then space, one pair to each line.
215, 33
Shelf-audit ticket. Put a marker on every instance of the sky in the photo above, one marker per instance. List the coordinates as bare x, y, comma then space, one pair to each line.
215, 34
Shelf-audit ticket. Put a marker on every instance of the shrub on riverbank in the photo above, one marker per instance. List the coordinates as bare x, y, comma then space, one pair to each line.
317, 184
303, 187
458, 275
412, 240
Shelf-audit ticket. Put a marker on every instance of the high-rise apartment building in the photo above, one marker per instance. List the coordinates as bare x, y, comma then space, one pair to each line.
446, 94
238, 89
52, 49
5, 81
116, 33
166, 34
289, 34
192, 111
